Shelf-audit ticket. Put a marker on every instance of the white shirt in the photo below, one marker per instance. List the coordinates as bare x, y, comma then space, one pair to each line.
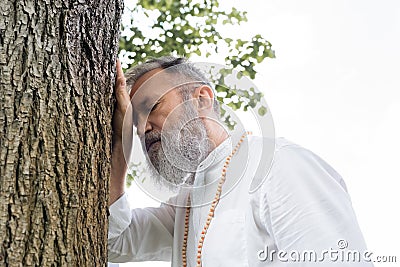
294, 205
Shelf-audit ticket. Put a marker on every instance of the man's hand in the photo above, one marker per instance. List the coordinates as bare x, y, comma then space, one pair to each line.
123, 105
122, 137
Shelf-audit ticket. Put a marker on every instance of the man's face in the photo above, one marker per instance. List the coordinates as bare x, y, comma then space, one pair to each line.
173, 136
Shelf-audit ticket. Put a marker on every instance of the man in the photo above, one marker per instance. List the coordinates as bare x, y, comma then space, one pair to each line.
297, 215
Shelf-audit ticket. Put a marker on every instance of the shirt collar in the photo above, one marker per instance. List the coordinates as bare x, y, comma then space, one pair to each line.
215, 157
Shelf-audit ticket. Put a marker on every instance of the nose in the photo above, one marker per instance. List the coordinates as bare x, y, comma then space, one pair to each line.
148, 127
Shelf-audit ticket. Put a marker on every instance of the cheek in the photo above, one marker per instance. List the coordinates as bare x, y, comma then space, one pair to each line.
167, 114
174, 117
157, 119
164, 119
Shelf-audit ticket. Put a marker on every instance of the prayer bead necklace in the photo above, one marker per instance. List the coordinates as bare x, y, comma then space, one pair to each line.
210, 213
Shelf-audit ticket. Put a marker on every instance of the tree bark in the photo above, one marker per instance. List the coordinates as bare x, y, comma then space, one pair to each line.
57, 72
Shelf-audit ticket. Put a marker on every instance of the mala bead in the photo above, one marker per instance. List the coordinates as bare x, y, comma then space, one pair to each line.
210, 213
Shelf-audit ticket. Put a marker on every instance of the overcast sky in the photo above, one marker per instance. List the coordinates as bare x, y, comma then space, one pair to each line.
334, 88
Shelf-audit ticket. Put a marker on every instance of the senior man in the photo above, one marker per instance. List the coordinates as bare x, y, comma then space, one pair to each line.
300, 214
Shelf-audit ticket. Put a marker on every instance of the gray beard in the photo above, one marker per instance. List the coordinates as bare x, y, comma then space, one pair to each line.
184, 145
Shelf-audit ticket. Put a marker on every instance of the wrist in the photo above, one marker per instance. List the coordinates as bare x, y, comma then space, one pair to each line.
114, 196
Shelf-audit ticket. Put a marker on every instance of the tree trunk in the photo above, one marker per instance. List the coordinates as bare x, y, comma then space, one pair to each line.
57, 71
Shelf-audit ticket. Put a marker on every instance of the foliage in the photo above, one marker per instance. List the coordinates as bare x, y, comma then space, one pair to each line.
135, 170
187, 27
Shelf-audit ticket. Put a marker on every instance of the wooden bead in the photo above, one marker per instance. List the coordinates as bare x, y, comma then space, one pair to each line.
211, 211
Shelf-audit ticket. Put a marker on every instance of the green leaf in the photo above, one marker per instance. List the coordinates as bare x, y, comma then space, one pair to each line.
262, 111
168, 3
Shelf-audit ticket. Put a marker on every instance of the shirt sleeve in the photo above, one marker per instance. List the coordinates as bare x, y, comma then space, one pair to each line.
306, 207
140, 234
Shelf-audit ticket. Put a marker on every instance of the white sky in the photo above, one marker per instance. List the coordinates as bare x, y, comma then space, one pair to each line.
334, 88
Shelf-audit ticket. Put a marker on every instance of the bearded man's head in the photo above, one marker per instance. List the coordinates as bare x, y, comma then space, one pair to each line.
167, 94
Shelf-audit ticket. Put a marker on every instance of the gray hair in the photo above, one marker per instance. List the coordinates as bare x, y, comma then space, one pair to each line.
173, 65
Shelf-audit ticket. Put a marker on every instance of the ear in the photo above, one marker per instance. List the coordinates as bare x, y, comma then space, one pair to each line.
205, 100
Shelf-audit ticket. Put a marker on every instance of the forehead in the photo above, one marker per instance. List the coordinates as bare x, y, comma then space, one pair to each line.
153, 85
145, 78
156, 83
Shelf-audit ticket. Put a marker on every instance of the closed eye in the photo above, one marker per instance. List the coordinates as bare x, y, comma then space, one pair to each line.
145, 110
155, 106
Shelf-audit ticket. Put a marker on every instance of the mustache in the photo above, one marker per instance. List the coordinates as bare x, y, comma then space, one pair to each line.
150, 138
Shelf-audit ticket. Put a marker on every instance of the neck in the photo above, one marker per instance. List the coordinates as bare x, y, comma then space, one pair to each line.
216, 132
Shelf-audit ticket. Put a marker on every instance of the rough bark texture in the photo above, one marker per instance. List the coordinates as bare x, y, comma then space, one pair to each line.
57, 65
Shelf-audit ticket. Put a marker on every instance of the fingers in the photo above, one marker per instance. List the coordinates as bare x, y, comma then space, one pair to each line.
120, 73
120, 87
